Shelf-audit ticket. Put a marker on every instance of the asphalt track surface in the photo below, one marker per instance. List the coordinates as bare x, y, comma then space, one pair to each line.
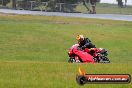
80, 15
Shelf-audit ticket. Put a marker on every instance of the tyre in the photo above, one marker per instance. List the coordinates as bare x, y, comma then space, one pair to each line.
71, 60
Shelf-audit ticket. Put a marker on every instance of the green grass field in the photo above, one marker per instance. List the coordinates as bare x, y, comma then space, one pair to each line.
33, 50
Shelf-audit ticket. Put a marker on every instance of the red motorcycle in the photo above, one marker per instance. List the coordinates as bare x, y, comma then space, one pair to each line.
93, 55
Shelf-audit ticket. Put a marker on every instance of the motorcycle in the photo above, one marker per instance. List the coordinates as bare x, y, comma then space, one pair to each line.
93, 55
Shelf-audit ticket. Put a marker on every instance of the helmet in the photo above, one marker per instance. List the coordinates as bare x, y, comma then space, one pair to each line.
80, 38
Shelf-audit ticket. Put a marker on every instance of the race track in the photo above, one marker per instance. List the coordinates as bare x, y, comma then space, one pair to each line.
80, 15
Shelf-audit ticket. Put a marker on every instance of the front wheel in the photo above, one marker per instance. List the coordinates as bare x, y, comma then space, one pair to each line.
72, 60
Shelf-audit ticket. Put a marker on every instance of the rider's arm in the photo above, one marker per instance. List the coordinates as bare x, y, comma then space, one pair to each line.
88, 44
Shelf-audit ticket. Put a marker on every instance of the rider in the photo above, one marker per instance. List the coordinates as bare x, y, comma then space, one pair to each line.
84, 42
86, 45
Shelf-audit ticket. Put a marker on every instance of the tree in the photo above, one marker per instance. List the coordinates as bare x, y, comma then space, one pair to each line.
93, 4
120, 3
62, 5
125, 3
14, 4
4, 2
24, 4
85, 4
52, 5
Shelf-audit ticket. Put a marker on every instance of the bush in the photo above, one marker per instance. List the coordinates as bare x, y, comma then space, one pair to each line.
4, 2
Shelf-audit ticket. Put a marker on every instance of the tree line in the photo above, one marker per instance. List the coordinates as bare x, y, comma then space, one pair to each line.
52, 4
